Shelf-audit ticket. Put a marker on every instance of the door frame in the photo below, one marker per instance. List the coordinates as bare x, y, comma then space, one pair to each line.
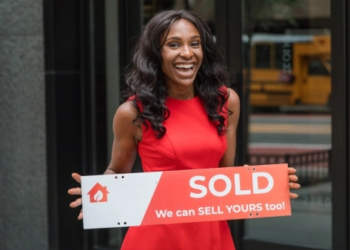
228, 32
340, 103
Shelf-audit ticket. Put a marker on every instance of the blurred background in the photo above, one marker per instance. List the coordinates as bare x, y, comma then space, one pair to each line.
61, 74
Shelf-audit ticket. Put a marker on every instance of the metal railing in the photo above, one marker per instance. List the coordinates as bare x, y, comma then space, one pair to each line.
311, 166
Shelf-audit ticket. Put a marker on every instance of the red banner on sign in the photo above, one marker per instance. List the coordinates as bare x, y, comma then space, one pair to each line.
216, 194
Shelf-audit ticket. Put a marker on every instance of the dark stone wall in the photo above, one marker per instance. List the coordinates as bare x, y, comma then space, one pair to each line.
23, 196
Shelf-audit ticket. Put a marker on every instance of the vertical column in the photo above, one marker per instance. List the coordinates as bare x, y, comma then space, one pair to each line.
23, 165
130, 17
63, 26
228, 21
340, 11
112, 67
347, 70
228, 15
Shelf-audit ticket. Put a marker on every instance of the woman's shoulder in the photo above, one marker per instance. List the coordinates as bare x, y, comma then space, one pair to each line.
125, 122
126, 111
233, 98
233, 104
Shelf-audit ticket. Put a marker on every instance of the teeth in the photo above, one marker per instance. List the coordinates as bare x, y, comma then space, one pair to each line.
184, 66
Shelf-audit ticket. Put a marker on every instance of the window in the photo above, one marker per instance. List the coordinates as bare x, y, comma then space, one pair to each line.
318, 67
263, 52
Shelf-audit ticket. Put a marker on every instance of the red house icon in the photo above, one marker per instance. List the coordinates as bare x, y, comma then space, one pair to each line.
98, 193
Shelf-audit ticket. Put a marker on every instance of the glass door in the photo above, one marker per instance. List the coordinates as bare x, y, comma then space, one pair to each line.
287, 69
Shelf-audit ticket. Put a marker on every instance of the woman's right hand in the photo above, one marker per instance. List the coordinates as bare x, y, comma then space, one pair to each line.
76, 191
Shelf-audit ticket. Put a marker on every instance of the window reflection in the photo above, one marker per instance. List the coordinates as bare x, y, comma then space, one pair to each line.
282, 69
286, 55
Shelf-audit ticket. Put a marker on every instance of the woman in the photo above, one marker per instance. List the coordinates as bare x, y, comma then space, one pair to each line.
179, 116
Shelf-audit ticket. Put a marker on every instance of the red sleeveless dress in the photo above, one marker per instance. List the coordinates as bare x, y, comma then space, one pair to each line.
191, 141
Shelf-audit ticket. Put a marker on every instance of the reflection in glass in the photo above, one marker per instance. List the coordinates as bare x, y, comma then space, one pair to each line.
286, 58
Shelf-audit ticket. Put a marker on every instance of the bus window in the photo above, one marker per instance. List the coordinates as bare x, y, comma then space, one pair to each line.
246, 51
263, 52
317, 67
278, 56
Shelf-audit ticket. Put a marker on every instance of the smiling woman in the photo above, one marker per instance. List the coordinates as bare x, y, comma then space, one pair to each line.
179, 115
176, 38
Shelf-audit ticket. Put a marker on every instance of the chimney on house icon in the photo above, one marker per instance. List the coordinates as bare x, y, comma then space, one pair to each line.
98, 193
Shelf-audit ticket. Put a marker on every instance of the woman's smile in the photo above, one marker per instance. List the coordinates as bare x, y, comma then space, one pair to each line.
185, 69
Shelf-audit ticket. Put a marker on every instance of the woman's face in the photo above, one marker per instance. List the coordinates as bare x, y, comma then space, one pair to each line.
182, 56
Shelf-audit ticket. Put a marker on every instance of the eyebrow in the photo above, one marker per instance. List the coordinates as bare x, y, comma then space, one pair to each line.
178, 38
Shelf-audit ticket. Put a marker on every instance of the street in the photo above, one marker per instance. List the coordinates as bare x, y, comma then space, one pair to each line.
294, 131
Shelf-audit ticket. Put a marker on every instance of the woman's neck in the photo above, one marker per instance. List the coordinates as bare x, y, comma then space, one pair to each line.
181, 95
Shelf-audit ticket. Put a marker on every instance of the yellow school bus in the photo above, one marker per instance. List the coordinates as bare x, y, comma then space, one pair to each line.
289, 69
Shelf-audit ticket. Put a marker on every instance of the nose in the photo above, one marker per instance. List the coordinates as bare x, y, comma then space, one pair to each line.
186, 52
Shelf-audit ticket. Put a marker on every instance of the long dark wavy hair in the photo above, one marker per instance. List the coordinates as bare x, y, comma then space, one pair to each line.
145, 80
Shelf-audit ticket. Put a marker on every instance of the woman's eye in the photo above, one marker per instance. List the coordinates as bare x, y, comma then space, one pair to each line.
173, 45
195, 44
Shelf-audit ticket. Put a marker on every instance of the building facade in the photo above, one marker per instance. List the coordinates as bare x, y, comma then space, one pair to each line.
61, 75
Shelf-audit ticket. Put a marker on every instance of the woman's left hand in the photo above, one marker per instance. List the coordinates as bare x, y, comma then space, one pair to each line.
292, 182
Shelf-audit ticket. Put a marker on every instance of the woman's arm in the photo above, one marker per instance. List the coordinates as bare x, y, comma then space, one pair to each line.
126, 137
232, 121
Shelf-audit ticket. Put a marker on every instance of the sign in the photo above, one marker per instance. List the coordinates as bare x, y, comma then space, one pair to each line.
136, 199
